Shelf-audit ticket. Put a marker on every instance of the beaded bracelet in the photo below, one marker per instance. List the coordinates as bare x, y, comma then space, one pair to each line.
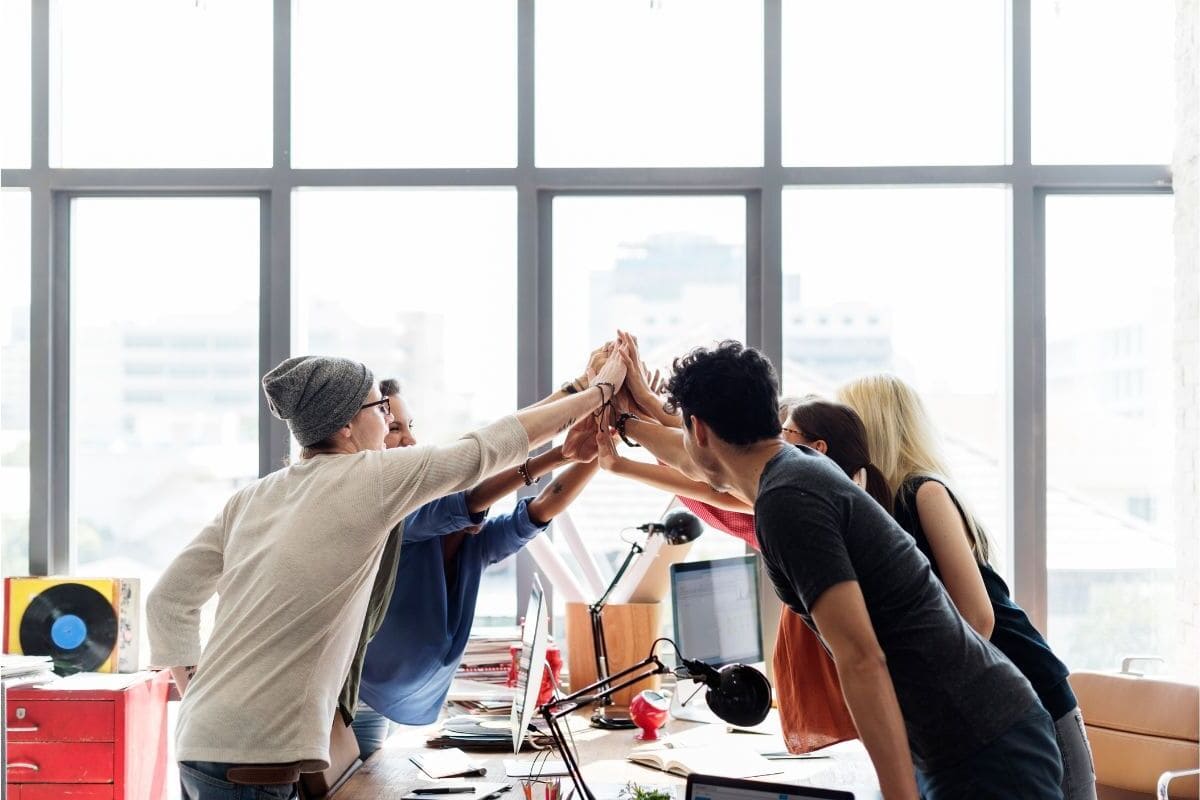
620, 426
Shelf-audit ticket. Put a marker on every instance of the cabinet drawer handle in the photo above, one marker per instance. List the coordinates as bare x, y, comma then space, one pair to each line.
29, 729
24, 765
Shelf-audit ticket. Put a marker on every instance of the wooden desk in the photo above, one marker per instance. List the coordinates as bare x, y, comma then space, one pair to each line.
389, 775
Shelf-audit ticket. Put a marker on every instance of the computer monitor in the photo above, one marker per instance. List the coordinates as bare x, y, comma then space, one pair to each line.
710, 787
716, 610
534, 641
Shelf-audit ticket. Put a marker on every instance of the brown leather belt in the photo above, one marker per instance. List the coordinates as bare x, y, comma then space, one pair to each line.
257, 774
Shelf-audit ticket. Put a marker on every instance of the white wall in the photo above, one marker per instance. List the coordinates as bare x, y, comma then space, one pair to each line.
1187, 326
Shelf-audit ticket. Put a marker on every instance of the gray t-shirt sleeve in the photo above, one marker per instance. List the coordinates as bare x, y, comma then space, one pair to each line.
801, 538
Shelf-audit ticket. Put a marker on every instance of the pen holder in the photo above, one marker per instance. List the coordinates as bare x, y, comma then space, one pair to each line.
629, 630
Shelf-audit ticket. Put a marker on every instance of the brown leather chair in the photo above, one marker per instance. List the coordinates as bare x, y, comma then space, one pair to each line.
1139, 728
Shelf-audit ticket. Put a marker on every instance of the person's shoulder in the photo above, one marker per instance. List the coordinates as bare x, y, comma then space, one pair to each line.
789, 463
781, 498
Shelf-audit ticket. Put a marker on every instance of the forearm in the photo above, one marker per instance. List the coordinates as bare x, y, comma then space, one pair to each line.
482, 496
557, 394
561, 492
543, 422
871, 698
665, 444
671, 480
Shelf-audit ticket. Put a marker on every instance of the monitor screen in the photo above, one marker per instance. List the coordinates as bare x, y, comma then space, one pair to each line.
715, 606
707, 787
534, 641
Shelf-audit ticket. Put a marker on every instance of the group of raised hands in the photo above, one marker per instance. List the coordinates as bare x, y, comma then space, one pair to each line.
640, 395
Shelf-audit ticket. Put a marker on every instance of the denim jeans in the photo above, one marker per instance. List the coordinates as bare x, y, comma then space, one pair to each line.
1022, 762
205, 780
1079, 774
371, 729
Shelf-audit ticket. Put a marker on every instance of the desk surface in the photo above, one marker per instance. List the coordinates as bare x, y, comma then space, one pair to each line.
389, 775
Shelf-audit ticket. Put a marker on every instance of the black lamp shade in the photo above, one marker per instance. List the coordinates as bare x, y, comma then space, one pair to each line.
742, 697
681, 527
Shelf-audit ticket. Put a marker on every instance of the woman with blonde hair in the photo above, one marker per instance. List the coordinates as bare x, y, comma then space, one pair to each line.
903, 445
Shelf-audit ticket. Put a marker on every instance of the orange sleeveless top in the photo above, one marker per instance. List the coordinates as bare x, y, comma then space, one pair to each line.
811, 708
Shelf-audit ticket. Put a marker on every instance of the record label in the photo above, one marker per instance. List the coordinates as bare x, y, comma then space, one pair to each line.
73, 624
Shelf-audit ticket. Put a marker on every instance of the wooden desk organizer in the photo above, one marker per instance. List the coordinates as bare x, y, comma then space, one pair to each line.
629, 630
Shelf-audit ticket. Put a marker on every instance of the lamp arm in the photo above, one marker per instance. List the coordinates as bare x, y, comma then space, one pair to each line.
558, 708
568, 757
635, 550
606, 686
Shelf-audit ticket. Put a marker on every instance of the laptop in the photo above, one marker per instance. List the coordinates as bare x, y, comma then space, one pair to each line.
711, 787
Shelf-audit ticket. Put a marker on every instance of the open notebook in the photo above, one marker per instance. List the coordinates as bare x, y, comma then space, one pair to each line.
726, 760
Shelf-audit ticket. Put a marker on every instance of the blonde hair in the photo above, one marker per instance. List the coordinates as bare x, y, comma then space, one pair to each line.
903, 442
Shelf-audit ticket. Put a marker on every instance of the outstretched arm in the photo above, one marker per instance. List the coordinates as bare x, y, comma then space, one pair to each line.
561, 492
481, 497
543, 422
665, 444
666, 478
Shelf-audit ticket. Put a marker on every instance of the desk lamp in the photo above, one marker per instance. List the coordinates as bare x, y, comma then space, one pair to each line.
678, 527
738, 694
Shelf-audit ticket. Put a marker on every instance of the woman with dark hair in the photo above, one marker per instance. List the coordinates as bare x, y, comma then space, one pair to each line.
838, 432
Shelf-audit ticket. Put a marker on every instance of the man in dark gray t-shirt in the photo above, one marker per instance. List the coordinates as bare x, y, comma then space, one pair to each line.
925, 690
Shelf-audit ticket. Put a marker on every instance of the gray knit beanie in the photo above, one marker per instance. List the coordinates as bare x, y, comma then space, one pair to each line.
316, 395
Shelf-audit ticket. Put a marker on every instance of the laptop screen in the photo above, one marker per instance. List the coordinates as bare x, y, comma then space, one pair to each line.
709, 787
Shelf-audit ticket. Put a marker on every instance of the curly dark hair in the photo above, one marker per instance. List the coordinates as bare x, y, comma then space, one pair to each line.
389, 387
731, 387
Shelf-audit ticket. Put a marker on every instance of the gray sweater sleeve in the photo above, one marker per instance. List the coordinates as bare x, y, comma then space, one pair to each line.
173, 606
412, 476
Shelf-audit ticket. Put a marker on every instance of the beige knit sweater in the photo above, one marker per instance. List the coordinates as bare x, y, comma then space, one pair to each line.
292, 557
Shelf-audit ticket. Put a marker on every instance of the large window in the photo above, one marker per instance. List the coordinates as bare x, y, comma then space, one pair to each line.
910, 282
1096, 103
14, 382
14, 83
471, 194
672, 271
389, 278
1110, 440
631, 83
390, 83
162, 83
164, 416
868, 82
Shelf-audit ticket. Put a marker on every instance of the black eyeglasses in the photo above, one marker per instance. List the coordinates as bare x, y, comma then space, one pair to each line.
382, 405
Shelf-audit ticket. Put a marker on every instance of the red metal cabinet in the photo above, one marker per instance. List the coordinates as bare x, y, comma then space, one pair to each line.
89, 737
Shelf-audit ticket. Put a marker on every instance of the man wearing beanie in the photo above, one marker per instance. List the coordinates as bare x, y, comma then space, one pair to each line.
292, 557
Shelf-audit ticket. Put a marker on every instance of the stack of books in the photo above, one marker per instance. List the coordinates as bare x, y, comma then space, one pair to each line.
487, 657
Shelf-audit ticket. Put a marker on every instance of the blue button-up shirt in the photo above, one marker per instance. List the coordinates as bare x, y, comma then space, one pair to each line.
412, 659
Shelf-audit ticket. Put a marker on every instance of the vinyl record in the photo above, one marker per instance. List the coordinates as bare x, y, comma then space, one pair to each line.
73, 624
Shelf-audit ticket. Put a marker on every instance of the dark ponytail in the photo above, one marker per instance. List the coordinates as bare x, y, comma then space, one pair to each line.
845, 438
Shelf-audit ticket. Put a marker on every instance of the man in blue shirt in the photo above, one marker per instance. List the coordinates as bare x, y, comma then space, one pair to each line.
447, 544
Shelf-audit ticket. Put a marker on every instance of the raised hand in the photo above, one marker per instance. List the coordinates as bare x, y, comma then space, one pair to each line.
580, 444
606, 450
598, 356
613, 373
657, 384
